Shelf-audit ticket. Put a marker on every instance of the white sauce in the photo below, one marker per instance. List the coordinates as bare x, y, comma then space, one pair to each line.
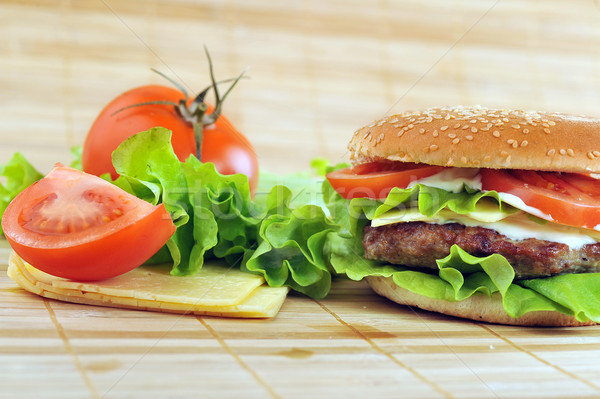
452, 179
519, 204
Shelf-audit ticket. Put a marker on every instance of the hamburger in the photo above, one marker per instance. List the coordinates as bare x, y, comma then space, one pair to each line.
486, 214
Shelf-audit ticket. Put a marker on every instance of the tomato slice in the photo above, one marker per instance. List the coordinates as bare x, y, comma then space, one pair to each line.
376, 179
572, 199
74, 225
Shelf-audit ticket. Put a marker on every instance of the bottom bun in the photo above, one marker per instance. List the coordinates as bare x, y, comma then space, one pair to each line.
478, 307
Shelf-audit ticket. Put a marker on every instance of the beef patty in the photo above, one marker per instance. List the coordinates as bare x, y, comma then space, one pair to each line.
419, 244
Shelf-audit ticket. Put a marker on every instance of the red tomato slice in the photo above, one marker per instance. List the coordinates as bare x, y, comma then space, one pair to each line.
74, 225
376, 179
568, 198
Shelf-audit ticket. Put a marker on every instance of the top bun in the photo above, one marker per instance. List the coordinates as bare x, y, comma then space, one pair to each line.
477, 137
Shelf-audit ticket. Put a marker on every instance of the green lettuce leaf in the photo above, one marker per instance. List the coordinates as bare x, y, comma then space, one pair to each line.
17, 174
290, 250
280, 234
76, 153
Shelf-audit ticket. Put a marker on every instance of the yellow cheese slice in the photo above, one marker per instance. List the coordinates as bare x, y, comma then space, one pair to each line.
216, 290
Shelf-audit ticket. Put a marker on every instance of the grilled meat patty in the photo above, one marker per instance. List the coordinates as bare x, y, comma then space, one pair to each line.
419, 244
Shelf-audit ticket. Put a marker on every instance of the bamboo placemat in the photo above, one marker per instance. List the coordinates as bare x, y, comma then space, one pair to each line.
319, 70
351, 344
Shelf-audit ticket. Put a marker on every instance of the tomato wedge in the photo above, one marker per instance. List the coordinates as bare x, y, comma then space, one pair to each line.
74, 225
572, 199
376, 179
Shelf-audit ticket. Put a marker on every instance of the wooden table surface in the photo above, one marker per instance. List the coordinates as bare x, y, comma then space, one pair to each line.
319, 70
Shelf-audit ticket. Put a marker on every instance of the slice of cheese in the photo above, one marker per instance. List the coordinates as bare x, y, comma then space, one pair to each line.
216, 290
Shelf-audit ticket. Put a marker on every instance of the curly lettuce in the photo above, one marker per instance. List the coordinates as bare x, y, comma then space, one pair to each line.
279, 234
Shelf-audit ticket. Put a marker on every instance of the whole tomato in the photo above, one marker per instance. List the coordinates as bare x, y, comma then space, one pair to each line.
151, 106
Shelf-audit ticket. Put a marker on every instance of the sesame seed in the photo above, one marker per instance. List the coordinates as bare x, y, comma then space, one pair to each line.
496, 133
435, 133
590, 155
476, 162
463, 159
487, 158
545, 124
469, 137
596, 153
456, 126
474, 129
473, 120
516, 126
400, 133
394, 120
410, 126
485, 129
551, 123
433, 147
570, 152
524, 143
421, 131
444, 128
381, 122
551, 152
506, 120
465, 127
452, 135
562, 151
456, 141
426, 150
504, 154
546, 130
510, 141
525, 131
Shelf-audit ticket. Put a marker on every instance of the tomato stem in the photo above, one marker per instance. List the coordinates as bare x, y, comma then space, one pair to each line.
173, 82
198, 133
144, 103
195, 112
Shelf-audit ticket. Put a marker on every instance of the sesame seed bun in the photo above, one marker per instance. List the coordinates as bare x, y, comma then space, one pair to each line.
479, 307
483, 138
